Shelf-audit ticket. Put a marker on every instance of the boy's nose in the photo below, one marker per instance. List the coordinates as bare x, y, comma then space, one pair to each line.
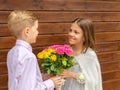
37, 32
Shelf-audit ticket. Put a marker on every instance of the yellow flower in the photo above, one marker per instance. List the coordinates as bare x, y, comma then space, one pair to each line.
53, 57
40, 55
50, 50
48, 53
45, 55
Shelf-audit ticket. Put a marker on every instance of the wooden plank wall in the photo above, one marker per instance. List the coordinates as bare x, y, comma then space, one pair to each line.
55, 17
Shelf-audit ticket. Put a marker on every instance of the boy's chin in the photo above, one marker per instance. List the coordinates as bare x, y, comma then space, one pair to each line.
33, 42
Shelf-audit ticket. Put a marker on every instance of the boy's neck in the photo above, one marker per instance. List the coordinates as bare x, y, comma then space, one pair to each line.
21, 38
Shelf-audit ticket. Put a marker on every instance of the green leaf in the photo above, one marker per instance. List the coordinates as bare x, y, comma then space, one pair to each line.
45, 64
64, 62
48, 71
58, 72
52, 68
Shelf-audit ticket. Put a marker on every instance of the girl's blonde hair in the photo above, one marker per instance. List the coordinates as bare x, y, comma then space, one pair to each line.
19, 20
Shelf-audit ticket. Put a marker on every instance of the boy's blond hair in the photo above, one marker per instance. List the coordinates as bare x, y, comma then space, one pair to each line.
18, 20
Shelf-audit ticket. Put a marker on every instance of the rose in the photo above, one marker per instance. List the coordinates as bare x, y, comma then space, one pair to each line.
68, 50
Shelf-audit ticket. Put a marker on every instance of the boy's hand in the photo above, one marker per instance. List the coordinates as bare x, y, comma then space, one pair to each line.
57, 81
46, 76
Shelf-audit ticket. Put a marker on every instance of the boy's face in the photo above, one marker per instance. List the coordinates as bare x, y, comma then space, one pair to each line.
33, 33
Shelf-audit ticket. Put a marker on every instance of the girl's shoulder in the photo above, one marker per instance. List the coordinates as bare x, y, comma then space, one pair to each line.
93, 56
91, 52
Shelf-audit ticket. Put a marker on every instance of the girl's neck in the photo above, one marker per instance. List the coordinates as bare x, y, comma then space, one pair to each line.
77, 50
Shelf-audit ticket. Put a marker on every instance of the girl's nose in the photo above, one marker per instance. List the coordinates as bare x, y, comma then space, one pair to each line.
71, 34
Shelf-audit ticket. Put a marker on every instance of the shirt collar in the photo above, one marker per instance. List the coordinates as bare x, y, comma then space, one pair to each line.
24, 44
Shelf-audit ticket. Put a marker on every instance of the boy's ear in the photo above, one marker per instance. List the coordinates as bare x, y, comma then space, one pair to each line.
26, 31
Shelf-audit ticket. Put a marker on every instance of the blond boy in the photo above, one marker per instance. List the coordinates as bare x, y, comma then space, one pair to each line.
23, 69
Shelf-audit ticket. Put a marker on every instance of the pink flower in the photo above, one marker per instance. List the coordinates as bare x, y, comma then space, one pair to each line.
55, 46
68, 50
63, 49
60, 50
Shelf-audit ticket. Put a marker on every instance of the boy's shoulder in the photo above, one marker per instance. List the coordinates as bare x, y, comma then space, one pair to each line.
20, 51
20, 55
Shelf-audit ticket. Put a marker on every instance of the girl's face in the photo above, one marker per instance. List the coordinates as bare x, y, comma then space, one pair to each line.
75, 35
33, 33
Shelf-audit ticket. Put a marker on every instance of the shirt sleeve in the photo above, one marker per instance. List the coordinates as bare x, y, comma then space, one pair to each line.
29, 78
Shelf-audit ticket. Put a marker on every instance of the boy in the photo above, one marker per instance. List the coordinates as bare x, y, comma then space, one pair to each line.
23, 69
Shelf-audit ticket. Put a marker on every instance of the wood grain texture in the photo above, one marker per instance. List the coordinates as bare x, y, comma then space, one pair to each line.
61, 5
109, 56
103, 55
115, 74
109, 46
3, 81
112, 85
55, 17
68, 16
3, 68
62, 28
110, 66
8, 42
108, 51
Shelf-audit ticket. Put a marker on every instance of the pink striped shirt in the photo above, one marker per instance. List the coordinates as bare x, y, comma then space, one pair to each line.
23, 69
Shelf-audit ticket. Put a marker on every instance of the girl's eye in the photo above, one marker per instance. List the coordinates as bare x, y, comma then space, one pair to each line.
70, 30
76, 32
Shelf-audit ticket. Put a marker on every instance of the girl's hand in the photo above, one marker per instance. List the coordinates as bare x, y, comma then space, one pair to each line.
69, 74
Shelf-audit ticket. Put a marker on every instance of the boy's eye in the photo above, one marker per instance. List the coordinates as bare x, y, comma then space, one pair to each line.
69, 30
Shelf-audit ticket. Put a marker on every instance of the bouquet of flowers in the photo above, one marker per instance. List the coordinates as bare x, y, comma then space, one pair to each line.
55, 58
